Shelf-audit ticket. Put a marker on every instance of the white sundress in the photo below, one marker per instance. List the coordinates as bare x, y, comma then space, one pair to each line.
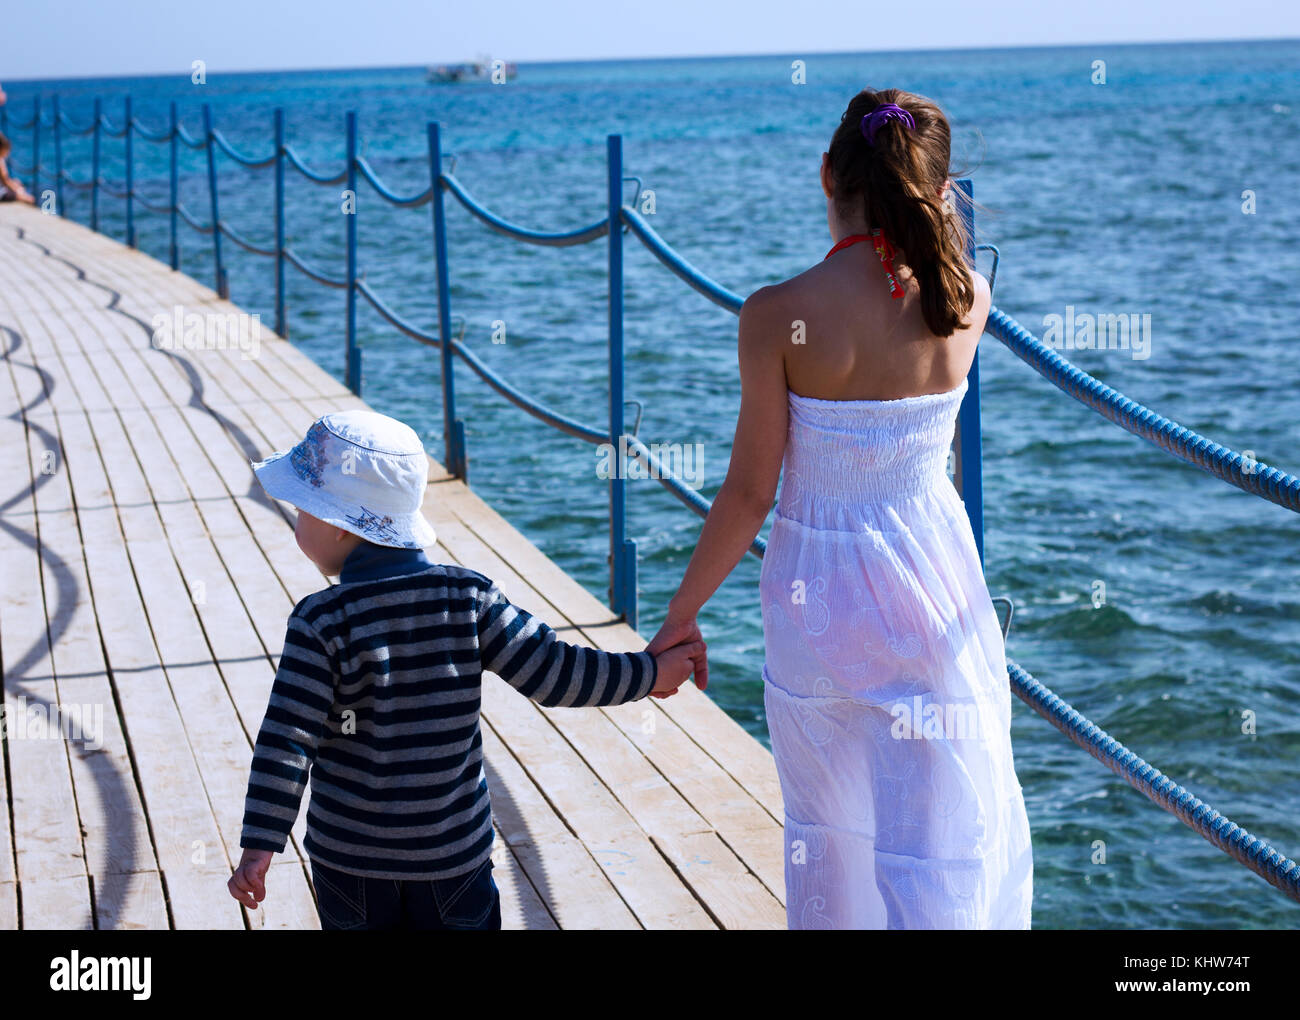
885, 680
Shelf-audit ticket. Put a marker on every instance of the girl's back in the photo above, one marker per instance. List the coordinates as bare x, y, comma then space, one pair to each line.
858, 343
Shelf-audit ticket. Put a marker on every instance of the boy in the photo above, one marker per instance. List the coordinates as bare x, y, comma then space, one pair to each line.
377, 693
11, 189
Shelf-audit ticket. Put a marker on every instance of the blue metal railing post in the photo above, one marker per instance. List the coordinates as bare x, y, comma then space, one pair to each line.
622, 550
94, 167
58, 161
223, 289
453, 429
281, 325
130, 179
354, 355
970, 464
36, 148
173, 186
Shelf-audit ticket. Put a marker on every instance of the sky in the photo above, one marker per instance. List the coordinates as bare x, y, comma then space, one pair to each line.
91, 38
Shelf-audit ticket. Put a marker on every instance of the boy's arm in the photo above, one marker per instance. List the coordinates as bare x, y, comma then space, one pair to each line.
528, 655
295, 721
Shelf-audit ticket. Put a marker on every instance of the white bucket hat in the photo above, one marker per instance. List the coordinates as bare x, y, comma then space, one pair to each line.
360, 471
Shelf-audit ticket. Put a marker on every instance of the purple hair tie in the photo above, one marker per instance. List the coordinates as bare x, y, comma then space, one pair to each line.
885, 111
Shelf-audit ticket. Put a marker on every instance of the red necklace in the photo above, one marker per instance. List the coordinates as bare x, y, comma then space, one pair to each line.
883, 248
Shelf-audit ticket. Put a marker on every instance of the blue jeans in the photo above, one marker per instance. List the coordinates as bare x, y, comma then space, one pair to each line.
352, 902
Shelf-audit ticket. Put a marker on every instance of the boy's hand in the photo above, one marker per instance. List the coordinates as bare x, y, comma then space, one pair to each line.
248, 883
678, 631
676, 664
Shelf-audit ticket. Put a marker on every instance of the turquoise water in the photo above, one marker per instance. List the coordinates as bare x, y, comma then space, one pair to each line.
1117, 198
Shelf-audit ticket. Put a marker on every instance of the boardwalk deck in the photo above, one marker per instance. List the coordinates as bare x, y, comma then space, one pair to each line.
147, 577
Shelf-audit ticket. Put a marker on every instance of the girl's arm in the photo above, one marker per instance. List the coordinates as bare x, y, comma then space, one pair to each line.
745, 498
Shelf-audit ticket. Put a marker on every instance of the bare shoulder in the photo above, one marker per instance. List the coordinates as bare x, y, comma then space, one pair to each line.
765, 315
770, 312
770, 300
979, 309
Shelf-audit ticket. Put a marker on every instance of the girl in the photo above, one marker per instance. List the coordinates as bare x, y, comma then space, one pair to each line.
885, 681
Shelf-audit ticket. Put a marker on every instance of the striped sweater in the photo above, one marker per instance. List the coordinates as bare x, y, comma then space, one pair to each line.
377, 699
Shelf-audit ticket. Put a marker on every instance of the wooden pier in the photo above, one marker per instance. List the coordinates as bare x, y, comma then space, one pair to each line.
147, 577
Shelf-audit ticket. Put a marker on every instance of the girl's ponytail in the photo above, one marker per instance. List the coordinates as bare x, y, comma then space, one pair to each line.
894, 180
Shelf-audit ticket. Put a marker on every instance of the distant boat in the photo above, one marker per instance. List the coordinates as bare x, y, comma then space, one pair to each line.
475, 71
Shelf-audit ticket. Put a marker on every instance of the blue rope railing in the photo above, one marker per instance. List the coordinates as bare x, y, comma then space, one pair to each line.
716, 293
111, 131
1278, 870
297, 163
1267, 482
1234, 468
399, 323
67, 123
188, 139
562, 238
410, 202
82, 185
146, 134
330, 281
244, 243
188, 217
238, 156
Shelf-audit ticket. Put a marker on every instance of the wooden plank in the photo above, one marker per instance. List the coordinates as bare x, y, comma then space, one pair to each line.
47, 846
577, 892
112, 817
8, 906
56, 904
289, 904
285, 364
521, 908
8, 874
130, 900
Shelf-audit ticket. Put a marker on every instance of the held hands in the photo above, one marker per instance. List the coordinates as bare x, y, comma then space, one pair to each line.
679, 651
675, 667
248, 883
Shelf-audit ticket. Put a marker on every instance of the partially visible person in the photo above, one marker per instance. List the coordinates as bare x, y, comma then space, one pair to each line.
11, 189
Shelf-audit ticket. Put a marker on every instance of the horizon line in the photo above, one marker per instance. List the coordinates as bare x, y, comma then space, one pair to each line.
688, 56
